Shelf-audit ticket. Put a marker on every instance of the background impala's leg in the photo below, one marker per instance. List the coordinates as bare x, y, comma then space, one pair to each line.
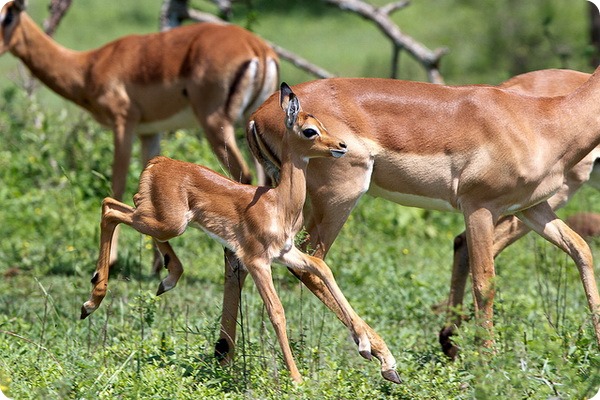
544, 221
220, 133
113, 213
123, 143
150, 149
235, 275
261, 273
480, 240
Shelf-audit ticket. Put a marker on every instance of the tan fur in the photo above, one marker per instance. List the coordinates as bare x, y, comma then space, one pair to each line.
258, 224
486, 152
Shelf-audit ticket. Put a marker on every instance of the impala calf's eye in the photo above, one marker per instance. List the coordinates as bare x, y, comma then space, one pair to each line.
309, 133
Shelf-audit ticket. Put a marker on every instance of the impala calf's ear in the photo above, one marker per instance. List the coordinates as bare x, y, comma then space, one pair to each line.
290, 104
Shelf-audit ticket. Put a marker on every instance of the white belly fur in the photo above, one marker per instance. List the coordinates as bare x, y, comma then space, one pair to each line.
411, 200
183, 119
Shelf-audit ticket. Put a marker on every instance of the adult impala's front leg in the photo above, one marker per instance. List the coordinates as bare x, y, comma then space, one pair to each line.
151, 149
544, 221
480, 239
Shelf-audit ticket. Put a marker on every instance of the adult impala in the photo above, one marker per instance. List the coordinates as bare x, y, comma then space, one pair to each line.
207, 74
509, 229
257, 223
482, 151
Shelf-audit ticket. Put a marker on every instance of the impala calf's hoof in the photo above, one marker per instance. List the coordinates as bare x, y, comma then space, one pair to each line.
392, 376
364, 349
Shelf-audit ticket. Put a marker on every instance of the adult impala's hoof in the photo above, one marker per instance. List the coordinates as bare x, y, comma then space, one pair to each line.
222, 350
163, 287
392, 376
86, 310
448, 346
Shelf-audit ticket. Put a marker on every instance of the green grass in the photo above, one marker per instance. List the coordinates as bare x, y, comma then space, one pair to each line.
393, 263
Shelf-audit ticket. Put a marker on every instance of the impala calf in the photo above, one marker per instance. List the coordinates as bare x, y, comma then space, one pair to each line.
257, 223
509, 229
208, 74
483, 151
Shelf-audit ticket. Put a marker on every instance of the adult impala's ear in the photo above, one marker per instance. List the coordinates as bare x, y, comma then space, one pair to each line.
10, 12
19, 5
289, 103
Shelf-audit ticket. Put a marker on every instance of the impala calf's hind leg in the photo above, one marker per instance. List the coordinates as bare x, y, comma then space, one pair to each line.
172, 264
113, 213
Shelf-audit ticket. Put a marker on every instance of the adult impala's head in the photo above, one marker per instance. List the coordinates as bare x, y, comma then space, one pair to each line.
10, 13
306, 134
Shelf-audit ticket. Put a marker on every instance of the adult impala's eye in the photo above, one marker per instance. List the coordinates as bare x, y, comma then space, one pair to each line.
309, 133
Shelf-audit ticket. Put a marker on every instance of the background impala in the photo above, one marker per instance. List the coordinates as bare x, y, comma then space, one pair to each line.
210, 75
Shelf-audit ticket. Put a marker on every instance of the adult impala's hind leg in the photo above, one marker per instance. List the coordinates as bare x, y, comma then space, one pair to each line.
480, 239
544, 221
220, 133
235, 275
261, 273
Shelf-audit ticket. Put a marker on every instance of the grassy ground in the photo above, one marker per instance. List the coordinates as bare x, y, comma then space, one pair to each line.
392, 262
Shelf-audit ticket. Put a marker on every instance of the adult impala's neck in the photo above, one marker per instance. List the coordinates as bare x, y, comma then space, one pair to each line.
57, 67
291, 190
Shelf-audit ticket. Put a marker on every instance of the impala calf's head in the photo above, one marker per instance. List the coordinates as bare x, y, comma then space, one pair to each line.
305, 131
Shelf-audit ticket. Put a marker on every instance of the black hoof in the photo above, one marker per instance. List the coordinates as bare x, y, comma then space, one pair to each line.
445, 339
392, 376
221, 349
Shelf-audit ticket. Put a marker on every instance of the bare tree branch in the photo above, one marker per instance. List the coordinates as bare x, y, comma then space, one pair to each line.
58, 9
301, 63
174, 12
427, 58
